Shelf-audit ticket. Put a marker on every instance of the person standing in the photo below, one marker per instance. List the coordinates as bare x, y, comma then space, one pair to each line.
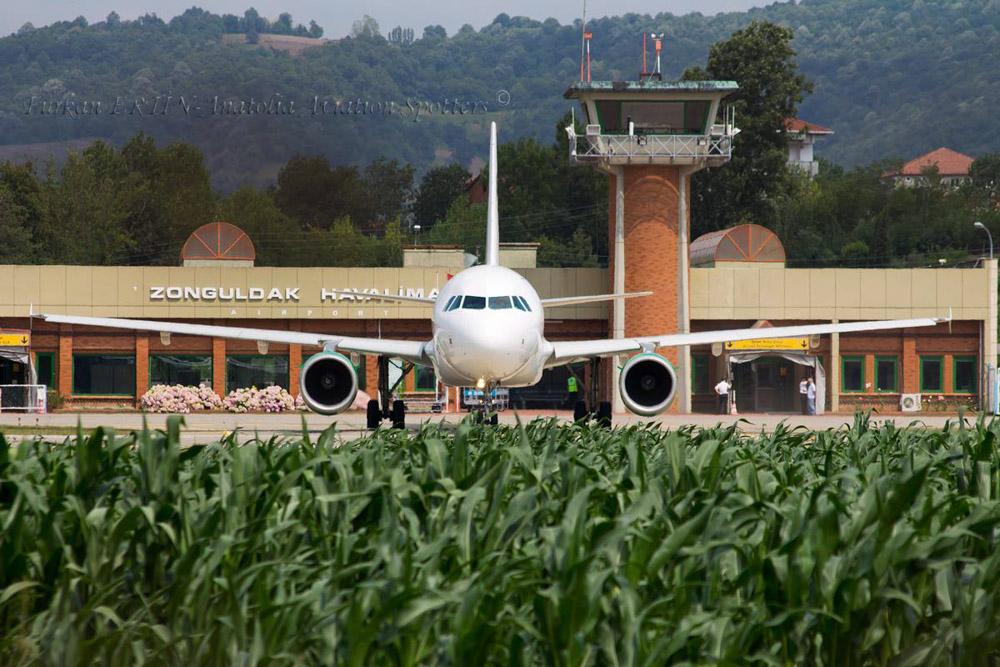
803, 395
811, 397
722, 391
571, 389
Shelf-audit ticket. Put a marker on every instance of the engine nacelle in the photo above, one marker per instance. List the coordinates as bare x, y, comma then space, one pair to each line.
328, 383
647, 384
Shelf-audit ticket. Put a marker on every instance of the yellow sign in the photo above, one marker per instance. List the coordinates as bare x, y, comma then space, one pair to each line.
769, 344
15, 339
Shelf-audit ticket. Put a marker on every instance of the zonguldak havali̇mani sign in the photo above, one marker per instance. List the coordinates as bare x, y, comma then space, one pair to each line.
274, 294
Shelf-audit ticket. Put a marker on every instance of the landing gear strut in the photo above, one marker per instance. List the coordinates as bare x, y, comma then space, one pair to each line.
485, 413
602, 415
384, 407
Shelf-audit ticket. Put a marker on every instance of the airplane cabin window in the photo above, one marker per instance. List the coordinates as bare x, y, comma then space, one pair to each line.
499, 303
519, 303
524, 302
474, 303
453, 303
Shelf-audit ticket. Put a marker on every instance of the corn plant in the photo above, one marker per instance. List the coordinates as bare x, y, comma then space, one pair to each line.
539, 544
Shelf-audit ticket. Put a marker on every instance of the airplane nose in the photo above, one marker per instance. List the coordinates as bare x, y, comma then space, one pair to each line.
490, 352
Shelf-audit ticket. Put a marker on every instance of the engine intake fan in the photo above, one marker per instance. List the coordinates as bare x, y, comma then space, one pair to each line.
648, 383
328, 383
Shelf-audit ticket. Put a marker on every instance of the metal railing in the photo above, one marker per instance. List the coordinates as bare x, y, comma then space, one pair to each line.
23, 398
649, 146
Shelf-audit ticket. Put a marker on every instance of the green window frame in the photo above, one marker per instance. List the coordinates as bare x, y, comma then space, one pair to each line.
700, 380
276, 364
969, 360
50, 380
424, 379
881, 385
844, 362
158, 364
925, 375
121, 381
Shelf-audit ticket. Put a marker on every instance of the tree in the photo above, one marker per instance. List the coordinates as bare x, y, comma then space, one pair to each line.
315, 194
435, 33
113, 20
315, 31
366, 26
439, 188
26, 29
273, 233
283, 26
463, 225
761, 60
16, 244
390, 188
985, 172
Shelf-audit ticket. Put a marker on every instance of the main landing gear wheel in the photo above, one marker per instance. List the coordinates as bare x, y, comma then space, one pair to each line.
374, 414
604, 414
398, 414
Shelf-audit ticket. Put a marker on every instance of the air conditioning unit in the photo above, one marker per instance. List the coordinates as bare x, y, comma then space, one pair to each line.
909, 402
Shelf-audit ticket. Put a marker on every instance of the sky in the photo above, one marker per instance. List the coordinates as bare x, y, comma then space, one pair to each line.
336, 16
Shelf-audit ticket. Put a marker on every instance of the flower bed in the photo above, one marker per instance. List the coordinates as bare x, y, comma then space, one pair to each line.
268, 399
179, 399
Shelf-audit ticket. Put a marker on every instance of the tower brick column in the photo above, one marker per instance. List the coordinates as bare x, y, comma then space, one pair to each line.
294, 366
911, 366
651, 230
141, 365
219, 366
64, 382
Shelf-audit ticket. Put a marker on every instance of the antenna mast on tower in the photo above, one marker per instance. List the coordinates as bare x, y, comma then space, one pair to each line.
583, 39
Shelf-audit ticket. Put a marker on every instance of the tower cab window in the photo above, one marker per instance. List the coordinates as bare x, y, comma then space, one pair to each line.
500, 303
474, 303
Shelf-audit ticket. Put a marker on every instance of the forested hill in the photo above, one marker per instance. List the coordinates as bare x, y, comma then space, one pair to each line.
892, 78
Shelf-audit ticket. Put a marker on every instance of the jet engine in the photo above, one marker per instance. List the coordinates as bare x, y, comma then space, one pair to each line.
328, 382
647, 384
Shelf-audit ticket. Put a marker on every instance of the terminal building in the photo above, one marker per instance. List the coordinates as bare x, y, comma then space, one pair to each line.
737, 278
650, 137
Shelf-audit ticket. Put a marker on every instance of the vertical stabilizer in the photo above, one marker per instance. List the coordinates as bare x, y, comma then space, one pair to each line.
493, 214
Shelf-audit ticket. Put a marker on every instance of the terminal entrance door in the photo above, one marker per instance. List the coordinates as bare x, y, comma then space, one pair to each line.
13, 372
767, 384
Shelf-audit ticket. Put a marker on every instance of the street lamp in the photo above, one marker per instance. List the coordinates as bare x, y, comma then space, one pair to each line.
979, 225
416, 231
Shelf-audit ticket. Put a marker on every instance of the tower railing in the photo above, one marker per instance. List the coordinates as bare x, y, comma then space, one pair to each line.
593, 146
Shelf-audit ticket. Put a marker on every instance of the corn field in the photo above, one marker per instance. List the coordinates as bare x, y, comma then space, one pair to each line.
534, 545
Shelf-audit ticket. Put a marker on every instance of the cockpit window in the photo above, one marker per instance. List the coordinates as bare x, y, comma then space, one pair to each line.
453, 303
521, 304
474, 303
500, 303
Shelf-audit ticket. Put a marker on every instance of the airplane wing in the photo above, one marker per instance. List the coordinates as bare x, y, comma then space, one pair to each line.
564, 352
407, 349
592, 298
363, 296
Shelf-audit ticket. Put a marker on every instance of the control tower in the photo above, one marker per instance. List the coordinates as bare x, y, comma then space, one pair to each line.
650, 136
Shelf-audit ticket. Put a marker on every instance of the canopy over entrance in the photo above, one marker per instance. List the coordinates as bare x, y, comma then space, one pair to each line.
767, 381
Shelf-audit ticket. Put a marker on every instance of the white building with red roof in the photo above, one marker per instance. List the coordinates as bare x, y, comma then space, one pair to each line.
952, 168
801, 136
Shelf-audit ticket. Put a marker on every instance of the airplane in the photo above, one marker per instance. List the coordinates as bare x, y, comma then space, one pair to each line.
488, 332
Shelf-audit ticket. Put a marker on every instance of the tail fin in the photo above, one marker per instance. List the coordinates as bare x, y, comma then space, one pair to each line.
493, 214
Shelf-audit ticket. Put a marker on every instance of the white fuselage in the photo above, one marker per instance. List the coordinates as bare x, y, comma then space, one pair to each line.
488, 329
